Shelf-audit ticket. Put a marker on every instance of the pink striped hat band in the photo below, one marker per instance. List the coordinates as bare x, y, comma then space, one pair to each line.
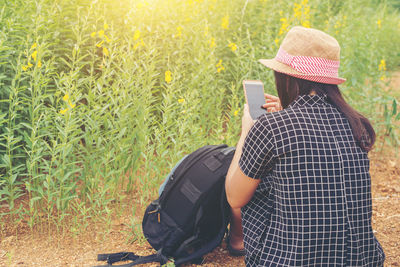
309, 65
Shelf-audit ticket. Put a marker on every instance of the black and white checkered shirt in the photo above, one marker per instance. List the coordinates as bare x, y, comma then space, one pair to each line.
313, 204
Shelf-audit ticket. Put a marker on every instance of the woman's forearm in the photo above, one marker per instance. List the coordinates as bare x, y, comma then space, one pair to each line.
235, 160
239, 187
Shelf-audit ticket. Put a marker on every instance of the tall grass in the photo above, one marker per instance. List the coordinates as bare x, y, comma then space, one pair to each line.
100, 98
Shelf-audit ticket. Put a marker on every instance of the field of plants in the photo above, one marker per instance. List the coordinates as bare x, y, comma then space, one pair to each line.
100, 98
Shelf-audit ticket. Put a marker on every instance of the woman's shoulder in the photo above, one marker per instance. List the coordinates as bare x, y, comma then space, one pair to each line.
272, 120
281, 124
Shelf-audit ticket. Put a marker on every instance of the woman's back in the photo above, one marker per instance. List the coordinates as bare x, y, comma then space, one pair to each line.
313, 205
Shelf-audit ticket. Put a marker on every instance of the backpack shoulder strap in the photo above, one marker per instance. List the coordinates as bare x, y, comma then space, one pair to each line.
124, 256
115, 257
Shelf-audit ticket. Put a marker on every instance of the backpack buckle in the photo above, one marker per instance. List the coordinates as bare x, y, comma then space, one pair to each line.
227, 150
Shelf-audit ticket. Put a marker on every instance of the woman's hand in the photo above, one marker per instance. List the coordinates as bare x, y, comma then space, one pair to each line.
247, 121
272, 103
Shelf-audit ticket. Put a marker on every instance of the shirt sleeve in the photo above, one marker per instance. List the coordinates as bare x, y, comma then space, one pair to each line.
258, 158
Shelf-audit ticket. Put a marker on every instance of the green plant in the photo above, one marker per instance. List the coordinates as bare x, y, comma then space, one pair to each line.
391, 123
99, 99
170, 263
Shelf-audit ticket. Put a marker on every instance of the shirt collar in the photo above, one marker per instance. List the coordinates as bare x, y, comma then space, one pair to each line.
309, 101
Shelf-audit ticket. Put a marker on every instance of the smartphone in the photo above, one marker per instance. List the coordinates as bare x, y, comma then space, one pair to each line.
254, 92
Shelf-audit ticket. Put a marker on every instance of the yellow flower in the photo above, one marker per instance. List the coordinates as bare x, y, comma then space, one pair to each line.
382, 65
39, 64
101, 33
68, 100
307, 11
34, 55
297, 10
100, 44
379, 22
212, 42
232, 46
136, 35
236, 113
34, 46
107, 39
306, 24
105, 51
276, 41
181, 100
105, 26
225, 22
219, 66
70, 104
93, 34
168, 76
26, 67
302, 13
206, 30
284, 26
179, 32
140, 43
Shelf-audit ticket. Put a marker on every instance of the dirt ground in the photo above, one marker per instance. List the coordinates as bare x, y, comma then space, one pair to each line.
40, 249
27, 248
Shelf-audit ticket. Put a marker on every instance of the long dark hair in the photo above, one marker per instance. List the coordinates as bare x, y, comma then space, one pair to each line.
289, 88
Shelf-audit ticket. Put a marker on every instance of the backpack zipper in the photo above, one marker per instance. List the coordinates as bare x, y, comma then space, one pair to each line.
158, 207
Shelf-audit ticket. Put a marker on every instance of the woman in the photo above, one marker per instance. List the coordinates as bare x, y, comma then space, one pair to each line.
300, 175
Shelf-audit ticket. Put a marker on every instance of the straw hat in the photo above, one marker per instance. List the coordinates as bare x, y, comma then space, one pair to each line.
308, 54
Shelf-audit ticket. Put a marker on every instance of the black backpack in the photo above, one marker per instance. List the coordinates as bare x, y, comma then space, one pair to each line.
190, 217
